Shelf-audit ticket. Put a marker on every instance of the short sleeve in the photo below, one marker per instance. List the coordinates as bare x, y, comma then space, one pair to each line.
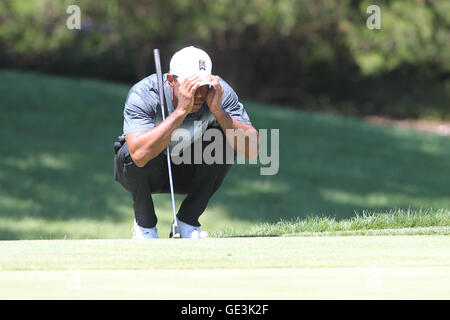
232, 106
139, 113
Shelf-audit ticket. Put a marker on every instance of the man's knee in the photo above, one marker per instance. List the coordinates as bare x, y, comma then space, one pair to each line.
132, 177
122, 160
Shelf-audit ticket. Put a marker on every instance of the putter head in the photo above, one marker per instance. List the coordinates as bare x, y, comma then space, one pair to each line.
174, 234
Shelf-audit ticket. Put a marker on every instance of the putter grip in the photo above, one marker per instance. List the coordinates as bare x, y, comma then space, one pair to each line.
160, 81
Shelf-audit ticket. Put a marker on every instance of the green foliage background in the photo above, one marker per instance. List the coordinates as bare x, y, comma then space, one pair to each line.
312, 54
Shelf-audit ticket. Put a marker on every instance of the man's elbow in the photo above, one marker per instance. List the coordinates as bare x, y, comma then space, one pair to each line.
139, 158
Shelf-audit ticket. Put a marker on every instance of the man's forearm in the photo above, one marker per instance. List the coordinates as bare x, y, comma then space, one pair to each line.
240, 132
145, 146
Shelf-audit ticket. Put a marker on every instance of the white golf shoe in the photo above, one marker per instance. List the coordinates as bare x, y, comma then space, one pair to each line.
187, 231
144, 233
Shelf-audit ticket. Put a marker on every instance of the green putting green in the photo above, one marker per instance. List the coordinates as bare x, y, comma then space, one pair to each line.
350, 267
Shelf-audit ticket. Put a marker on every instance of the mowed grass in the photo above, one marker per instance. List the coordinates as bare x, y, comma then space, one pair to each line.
56, 173
364, 267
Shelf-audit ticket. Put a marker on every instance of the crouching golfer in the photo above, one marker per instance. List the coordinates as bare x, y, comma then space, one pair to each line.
196, 101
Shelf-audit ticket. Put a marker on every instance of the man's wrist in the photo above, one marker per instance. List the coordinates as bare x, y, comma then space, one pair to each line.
217, 112
181, 112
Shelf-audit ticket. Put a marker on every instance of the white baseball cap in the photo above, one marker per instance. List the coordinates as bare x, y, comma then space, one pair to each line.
191, 61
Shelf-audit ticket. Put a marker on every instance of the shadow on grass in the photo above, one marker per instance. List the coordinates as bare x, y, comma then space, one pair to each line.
335, 166
58, 161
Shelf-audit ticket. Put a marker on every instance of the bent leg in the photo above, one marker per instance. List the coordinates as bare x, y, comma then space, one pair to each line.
141, 183
206, 180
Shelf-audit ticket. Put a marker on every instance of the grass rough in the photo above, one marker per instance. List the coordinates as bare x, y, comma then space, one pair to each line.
394, 222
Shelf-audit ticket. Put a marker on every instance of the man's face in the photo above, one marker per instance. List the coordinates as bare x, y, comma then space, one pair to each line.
199, 96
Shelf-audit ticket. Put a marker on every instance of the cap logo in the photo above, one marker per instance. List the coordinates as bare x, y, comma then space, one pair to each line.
201, 65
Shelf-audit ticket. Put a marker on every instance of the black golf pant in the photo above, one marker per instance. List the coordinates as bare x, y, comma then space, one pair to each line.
198, 181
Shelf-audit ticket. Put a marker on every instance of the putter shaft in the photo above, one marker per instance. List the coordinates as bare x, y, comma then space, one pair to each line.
169, 167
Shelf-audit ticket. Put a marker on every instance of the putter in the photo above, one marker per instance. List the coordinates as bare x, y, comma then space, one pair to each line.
173, 234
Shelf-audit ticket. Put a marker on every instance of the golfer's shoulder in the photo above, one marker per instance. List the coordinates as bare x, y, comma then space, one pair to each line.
229, 94
226, 86
143, 93
146, 85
